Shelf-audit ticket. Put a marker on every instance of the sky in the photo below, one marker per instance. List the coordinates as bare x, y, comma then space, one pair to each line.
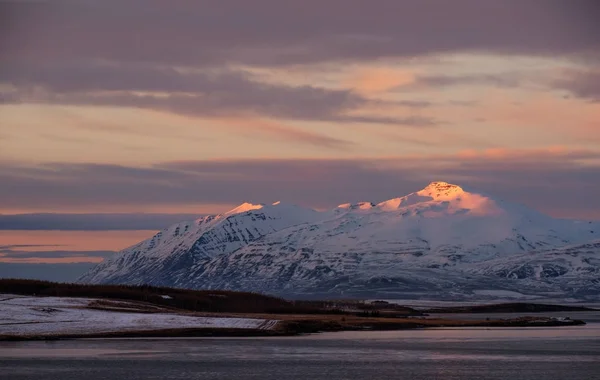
118, 118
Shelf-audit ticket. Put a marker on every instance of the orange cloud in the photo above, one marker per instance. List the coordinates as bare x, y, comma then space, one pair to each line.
507, 153
73, 240
197, 208
279, 131
570, 118
377, 80
53, 260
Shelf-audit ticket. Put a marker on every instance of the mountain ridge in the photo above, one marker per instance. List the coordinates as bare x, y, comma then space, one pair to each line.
426, 242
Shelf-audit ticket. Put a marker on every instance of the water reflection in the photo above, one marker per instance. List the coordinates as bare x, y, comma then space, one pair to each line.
450, 353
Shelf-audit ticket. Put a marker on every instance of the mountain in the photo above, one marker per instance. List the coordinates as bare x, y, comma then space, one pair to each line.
441, 242
174, 253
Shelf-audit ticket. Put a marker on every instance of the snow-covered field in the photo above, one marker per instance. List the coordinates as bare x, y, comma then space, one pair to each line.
23, 316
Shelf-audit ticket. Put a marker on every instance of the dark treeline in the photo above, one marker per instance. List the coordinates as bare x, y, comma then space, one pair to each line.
514, 307
185, 299
192, 300
246, 302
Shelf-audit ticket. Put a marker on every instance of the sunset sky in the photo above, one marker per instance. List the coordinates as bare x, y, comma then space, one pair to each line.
192, 107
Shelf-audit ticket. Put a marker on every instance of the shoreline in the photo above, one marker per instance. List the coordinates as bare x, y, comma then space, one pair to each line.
290, 328
35, 310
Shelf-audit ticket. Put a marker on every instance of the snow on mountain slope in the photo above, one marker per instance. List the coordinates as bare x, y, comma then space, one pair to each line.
441, 241
452, 199
574, 269
182, 246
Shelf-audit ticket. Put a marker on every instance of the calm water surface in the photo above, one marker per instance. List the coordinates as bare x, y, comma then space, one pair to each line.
472, 353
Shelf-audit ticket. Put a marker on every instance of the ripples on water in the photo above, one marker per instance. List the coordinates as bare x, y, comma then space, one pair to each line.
474, 353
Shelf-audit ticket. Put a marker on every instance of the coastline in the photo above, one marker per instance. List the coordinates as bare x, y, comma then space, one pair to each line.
35, 310
300, 326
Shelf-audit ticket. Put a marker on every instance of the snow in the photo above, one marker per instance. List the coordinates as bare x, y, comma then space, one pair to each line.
219, 234
498, 293
21, 315
244, 207
441, 238
357, 206
442, 199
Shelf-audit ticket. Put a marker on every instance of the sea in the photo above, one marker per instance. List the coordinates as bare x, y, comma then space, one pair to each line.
540, 353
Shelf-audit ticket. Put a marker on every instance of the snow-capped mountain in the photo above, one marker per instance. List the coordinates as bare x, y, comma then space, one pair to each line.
173, 252
440, 242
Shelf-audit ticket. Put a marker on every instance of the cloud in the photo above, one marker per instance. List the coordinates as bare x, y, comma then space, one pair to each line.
89, 76
570, 120
9, 255
495, 80
219, 93
13, 246
71, 240
280, 131
206, 93
267, 32
89, 222
509, 79
581, 83
35, 253
518, 175
47, 272
378, 80
195, 58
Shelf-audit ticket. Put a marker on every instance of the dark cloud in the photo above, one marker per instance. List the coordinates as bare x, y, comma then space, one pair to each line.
582, 84
91, 222
415, 103
208, 93
521, 177
498, 80
8, 254
47, 272
268, 32
299, 103
18, 246
100, 52
87, 76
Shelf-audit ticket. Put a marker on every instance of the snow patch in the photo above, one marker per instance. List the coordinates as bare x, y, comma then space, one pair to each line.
244, 207
24, 316
506, 294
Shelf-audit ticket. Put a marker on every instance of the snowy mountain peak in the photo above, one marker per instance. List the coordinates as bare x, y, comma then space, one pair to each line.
442, 198
356, 206
441, 241
275, 207
244, 207
440, 189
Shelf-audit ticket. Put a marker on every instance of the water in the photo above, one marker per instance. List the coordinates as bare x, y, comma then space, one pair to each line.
458, 353
591, 317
